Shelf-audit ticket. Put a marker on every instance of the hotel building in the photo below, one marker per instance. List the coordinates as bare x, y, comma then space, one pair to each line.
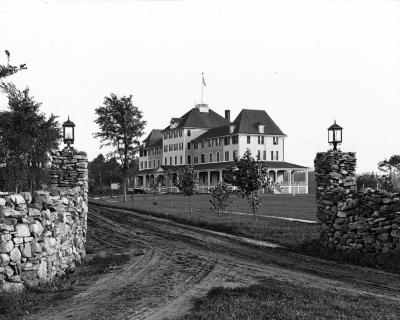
210, 143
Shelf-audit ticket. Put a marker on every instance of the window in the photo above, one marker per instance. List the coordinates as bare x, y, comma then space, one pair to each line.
170, 161
235, 139
262, 139
221, 141
170, 147
264, 155
169, 135
202, 143
258, 155
188, 133
188, 145
141, 164
145, 164
234, 153
203, 158
180, 133
195, 145
141, 153
145, 153
217, 156
248, 139
227, 141
180, 160
165, 148
210, 157
226, 155
165, 161
272, 156
209, 143
189, 159
165, 135
196, 160
215, 142
154, 163
175, 146
275, 140
175, 134
176, 160
158, 162
276, 155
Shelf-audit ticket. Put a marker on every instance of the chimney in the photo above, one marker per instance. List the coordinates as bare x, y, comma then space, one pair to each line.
228, 115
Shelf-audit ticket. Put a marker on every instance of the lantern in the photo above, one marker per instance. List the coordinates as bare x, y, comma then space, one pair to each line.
68, 132
335, 135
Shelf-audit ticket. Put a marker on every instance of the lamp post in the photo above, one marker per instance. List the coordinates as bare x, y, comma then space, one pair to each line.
68, 132
335, 135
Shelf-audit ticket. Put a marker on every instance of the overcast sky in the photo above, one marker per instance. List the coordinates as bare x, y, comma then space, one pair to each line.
306, 63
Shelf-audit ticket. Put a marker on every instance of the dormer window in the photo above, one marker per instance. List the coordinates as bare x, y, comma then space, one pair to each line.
261, 128
231, 128
275, 140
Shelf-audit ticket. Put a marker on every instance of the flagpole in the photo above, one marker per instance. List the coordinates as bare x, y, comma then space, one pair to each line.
202, 85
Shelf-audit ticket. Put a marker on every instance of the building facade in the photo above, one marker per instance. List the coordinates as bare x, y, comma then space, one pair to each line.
210, 143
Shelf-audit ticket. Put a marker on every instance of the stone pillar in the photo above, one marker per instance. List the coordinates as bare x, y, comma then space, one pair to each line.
335, 178
69, 169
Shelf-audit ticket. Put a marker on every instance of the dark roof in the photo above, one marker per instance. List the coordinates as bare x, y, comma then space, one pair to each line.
154, 139
246, 122
196, 119
283, 165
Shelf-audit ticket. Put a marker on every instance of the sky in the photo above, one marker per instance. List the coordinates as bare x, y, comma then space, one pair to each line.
307, 63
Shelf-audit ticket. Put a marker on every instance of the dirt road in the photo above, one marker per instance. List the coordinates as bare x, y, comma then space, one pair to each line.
179, 263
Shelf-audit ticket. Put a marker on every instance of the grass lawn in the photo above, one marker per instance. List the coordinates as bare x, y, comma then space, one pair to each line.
281, 301
299, 206
260, 228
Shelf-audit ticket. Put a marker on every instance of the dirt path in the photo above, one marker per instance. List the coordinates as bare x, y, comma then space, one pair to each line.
180, 263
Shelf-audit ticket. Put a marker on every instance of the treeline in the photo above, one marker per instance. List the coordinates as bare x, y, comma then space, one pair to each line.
103, 172
27, 137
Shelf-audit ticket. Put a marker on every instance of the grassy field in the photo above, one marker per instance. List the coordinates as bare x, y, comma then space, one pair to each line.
299, 207
274, 230
281, 301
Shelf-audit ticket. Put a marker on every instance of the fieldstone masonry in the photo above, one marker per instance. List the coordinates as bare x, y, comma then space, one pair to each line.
368, 221
43, 234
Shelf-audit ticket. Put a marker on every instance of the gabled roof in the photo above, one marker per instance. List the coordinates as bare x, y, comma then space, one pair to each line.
196, 119
154, 139
247, 121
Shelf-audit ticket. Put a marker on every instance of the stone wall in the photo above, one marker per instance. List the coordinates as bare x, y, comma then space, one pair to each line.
368, 221
43, 234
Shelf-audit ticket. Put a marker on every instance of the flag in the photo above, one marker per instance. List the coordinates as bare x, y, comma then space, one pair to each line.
204, 83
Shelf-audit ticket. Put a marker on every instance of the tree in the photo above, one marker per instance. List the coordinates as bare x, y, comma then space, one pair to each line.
8, 70
169, 181
187, 183
220, 197
391, 166
156, 189
248, 175
121, 125
27, 137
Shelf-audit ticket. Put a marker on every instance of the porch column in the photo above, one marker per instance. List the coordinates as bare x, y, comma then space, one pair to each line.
144, 181
220, 175
208, 178
290, 180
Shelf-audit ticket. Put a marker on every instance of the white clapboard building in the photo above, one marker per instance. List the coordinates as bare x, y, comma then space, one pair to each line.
209, 142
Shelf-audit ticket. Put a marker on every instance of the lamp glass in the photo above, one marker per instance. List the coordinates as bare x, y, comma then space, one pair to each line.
68, 133
330, 136
338, 135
